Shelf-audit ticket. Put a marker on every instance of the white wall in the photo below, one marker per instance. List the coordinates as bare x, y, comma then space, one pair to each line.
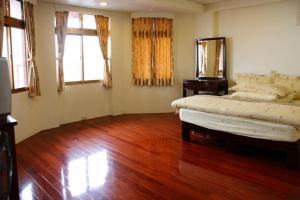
92, 100
259, 39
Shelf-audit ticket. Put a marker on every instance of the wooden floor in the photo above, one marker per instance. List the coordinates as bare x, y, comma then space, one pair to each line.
143, 157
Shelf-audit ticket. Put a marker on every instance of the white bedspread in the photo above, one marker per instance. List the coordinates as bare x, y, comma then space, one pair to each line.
271, 112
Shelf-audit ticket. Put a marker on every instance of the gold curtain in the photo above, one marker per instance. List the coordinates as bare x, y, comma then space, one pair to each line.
102, 24
163, 54
33, 75
2, 9
61, 33
152, 55
142, 50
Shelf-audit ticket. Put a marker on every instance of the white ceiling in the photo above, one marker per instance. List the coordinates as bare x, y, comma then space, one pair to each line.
206, 1
141, 5
186, 6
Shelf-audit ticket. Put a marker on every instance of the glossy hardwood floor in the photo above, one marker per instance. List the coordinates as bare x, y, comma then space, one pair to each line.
143, 157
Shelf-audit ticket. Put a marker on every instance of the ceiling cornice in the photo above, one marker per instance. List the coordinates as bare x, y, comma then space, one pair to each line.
232, 4
185, 5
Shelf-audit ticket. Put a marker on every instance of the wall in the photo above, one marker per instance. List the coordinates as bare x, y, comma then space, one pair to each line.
259, 39
92, 100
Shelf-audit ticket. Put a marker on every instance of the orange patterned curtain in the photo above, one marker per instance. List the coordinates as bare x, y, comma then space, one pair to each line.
61, 32
152, 51
163, 54
33, 76
142, 50
102, 24
2, 9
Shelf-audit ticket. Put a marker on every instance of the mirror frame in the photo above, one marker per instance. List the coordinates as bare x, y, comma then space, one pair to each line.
224, 56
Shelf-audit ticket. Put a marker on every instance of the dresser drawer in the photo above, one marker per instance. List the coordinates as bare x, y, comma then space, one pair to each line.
215, 87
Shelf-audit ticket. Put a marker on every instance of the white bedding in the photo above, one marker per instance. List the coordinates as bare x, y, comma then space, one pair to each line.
241, 126
281, 113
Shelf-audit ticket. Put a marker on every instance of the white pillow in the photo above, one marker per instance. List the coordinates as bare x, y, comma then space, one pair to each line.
265, 88
252, 96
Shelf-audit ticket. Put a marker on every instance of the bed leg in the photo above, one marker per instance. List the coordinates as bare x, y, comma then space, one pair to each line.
293, 157
186, 136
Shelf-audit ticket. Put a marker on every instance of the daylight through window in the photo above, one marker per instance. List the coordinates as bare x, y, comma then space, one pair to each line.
83, 60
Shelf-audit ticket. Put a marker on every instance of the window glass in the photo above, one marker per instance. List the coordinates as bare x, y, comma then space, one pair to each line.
18, 58
74, 20
93, 59
16, 9
89, 22
72, 59
5, 42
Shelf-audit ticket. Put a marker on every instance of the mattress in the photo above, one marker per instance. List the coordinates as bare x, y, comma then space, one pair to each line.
241, 126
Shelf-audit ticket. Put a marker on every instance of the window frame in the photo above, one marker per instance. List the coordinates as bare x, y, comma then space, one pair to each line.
11, 22
81, 32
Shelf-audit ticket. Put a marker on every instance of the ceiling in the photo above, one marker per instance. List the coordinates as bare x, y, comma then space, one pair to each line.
141, 5
206, 1
185, 6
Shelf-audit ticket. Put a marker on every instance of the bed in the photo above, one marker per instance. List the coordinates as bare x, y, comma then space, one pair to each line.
272, 124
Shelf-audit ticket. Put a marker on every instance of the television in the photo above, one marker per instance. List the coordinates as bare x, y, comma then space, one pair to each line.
5, 90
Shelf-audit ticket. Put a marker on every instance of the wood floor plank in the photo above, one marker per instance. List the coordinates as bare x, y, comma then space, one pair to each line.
143, 157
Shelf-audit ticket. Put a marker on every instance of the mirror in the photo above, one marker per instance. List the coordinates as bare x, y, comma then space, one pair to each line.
211, 58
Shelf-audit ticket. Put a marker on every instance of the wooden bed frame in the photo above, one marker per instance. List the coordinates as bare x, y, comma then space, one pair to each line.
292, 149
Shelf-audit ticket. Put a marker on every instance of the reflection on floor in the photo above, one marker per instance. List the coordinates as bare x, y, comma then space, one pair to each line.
143, 157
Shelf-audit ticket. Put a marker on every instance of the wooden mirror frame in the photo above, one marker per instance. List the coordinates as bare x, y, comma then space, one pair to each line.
224, 56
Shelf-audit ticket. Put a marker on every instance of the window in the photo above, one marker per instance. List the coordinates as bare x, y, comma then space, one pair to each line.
152, 62
83, 61
14, 43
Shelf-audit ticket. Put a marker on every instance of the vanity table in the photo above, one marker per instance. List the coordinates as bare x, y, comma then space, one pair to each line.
210, 69
213, 86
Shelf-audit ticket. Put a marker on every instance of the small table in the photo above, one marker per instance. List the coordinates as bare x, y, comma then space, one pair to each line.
206, 85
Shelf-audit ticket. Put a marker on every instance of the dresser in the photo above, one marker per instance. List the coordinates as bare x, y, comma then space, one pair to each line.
210, 76
8, 164
206, 85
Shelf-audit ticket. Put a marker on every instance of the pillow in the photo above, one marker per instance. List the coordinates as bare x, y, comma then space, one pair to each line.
291, 82
278, 90
288, 98
254, 78
252, 96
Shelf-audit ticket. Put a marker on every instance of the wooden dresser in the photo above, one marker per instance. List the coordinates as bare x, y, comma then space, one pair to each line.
8, 134
207, 85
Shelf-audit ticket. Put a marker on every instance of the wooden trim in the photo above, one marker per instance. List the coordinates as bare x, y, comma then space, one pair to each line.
213, 38
20, 90
82, 82
13, 22
80, 31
